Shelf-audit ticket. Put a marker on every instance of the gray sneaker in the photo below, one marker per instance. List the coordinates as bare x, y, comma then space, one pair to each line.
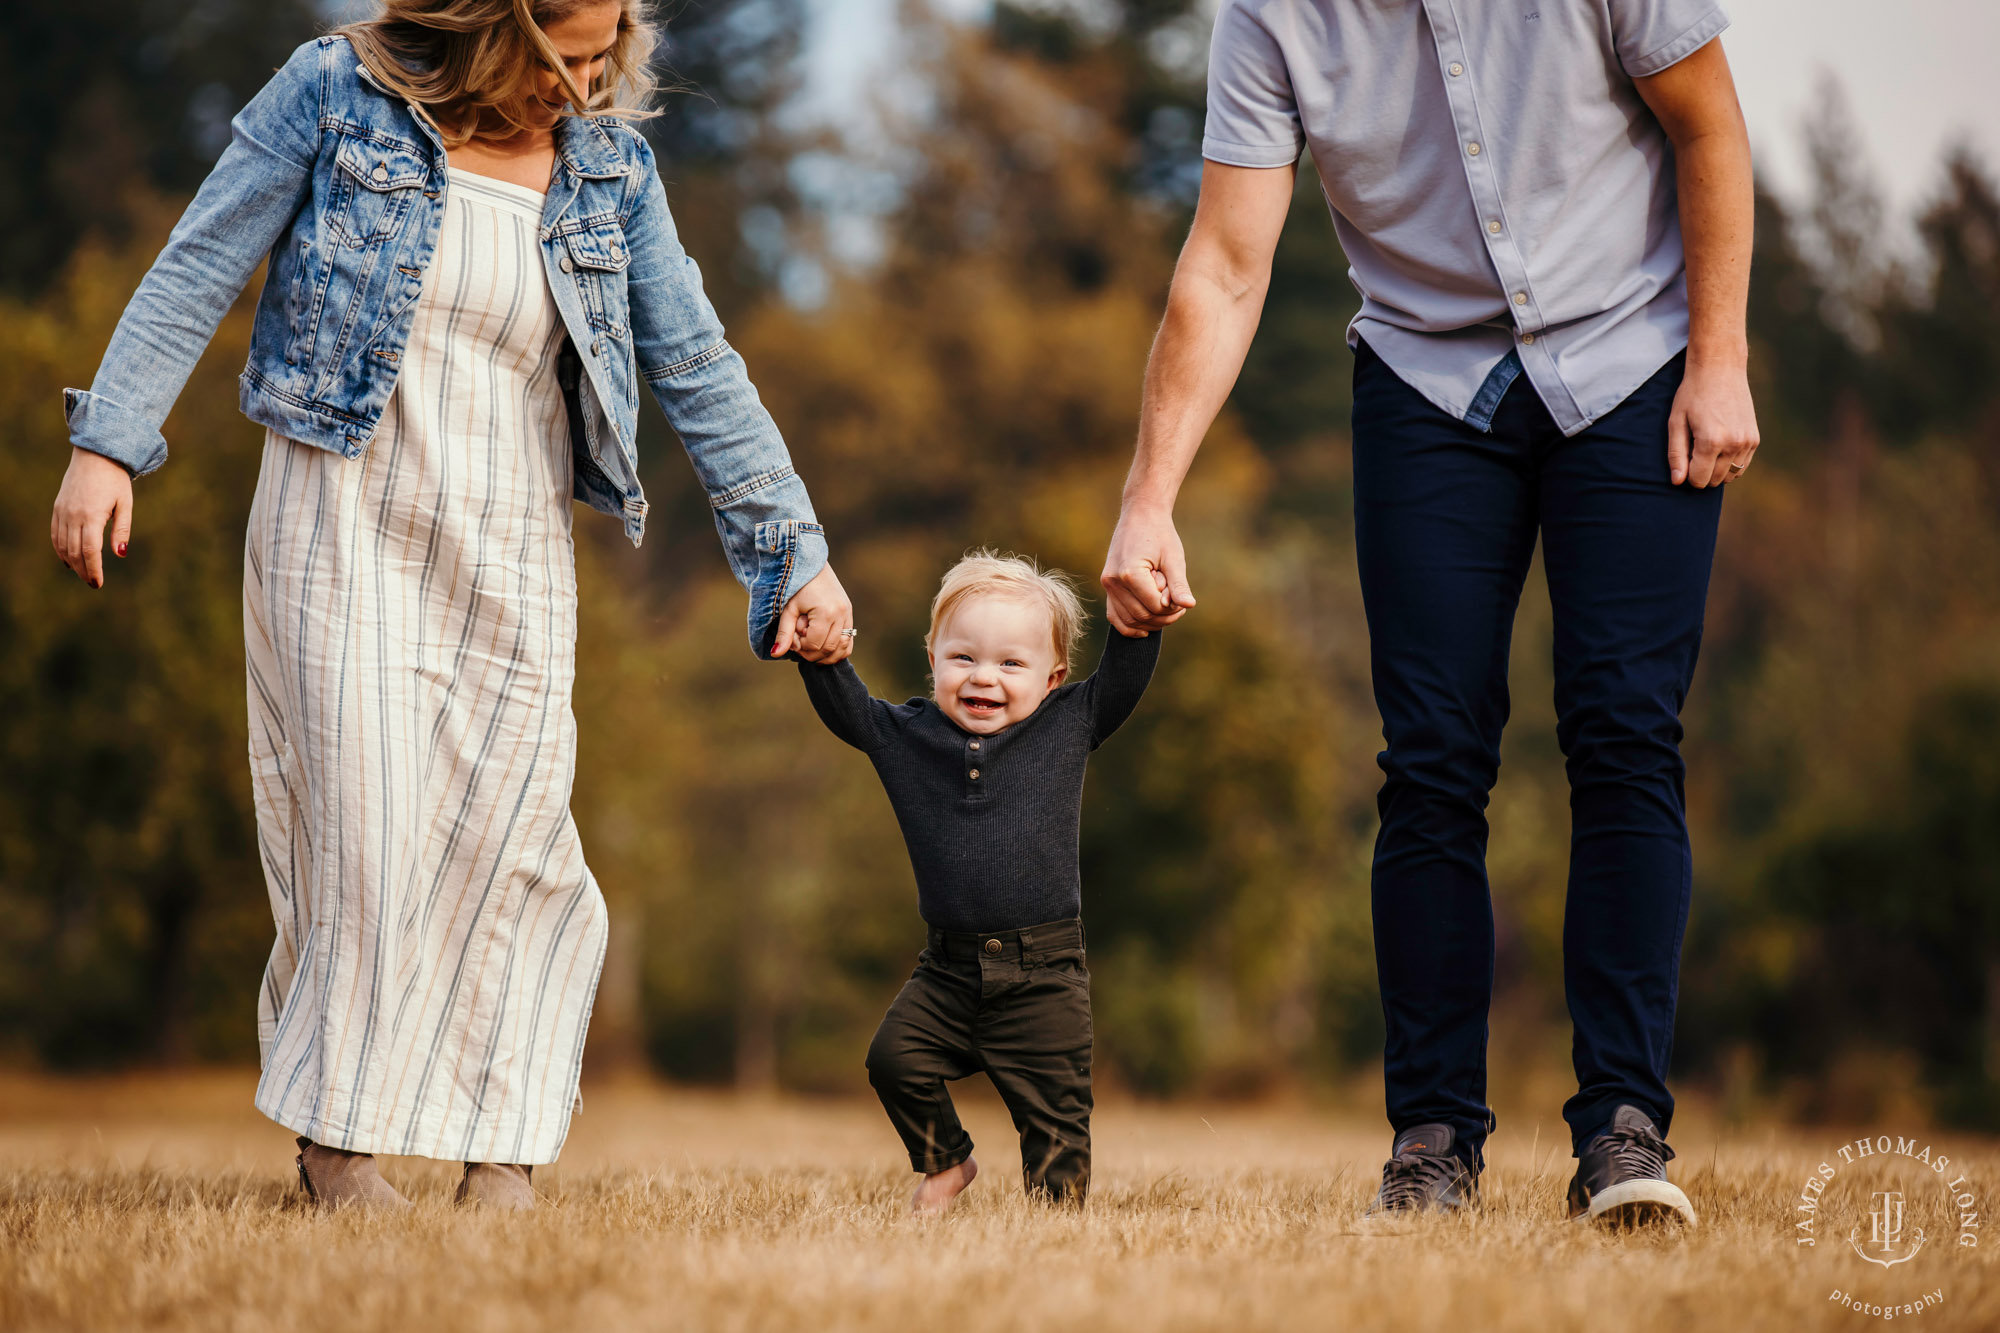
1621, 1176
1424, 1174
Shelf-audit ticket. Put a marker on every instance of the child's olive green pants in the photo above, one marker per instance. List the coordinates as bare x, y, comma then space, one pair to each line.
1015, 1004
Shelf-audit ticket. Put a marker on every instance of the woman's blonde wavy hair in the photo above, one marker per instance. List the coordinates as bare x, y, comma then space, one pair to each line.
466, 64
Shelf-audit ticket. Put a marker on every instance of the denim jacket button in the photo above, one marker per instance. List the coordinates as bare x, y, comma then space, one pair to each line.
597, 347
381, 173
567, 267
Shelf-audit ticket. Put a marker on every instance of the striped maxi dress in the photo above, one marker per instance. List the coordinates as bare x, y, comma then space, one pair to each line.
410, 625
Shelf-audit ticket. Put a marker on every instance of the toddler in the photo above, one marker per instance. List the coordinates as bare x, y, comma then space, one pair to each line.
986, 777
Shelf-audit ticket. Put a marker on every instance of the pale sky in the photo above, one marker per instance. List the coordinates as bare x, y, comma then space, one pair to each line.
1917, 73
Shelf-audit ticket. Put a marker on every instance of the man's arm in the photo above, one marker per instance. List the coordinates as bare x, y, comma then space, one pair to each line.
1714, 424
1212, 311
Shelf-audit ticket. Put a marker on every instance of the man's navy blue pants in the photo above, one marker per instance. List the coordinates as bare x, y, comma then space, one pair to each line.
1446, 517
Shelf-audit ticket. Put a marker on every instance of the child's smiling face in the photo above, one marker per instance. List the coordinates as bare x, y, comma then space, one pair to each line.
993, 661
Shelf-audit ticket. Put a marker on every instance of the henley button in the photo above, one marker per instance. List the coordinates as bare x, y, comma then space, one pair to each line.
974, 774
993, 946
975, 745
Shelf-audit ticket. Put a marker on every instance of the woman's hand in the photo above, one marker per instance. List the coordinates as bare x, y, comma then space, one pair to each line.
816, 620
94, 491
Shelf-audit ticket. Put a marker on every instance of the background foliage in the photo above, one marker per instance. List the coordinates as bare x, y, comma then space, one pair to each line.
978, 385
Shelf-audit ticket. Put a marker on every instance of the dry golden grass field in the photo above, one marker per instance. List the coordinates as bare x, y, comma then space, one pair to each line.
167, 1203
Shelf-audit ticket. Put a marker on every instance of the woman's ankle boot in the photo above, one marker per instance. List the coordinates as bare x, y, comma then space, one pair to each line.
497, 1185
333, 1178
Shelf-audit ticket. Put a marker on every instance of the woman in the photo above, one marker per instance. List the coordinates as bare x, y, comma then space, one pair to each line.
472, 268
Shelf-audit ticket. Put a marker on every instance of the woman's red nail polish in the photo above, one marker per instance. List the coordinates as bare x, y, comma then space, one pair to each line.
121, 550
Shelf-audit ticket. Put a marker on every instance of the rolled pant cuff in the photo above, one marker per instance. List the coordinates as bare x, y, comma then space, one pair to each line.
933, 1163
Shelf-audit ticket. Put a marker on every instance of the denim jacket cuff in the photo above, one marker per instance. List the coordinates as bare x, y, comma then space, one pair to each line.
790, 554
104, 427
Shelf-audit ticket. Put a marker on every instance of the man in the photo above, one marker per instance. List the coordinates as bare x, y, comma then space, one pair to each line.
1548, 215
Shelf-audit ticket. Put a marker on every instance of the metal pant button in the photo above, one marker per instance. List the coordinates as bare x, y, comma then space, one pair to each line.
993, 946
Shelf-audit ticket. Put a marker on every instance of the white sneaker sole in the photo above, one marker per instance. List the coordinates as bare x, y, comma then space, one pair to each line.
1634, 1203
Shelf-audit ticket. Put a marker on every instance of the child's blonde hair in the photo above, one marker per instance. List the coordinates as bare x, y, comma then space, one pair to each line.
986, 573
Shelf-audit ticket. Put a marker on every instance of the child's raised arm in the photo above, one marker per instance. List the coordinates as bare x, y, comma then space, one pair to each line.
844, 704
1114, 689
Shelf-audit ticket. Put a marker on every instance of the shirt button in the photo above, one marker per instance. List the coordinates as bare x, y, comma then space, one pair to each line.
1456, 69
1494, 226
1472, 150
974, 773
1528, 338
1520, 298
975, 745
993, 946
566, 265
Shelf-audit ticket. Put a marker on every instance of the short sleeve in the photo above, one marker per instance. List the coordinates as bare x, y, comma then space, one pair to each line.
1650, 35
1253, 118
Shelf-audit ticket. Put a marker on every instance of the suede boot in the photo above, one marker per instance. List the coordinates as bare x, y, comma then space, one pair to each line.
333, 1178
497, 1185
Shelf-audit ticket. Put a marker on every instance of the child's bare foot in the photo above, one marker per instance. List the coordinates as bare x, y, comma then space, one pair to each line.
940, 1188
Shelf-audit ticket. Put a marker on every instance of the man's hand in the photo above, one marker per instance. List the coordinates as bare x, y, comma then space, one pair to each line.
1145, 573
95, 491
815, 621
1712, 431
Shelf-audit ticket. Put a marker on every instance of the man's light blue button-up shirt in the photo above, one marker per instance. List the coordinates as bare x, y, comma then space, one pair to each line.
1505, 199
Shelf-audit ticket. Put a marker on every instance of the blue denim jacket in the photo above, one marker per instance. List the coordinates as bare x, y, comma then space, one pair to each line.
342, 184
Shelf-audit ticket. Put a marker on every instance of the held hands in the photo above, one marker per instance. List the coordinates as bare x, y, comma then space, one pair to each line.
1712, 430
1145, 573
95, 491
816, 621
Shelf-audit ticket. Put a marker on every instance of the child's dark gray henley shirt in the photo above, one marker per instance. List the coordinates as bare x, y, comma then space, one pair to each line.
991, 822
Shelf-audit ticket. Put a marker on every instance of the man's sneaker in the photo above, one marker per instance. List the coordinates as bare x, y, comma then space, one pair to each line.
1621, 1176
1423, 1174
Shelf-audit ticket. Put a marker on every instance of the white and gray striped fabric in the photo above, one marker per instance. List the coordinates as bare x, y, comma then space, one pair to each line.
410, 623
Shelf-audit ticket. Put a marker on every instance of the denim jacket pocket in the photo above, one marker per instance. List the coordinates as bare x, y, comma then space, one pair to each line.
374, 188
599, 255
